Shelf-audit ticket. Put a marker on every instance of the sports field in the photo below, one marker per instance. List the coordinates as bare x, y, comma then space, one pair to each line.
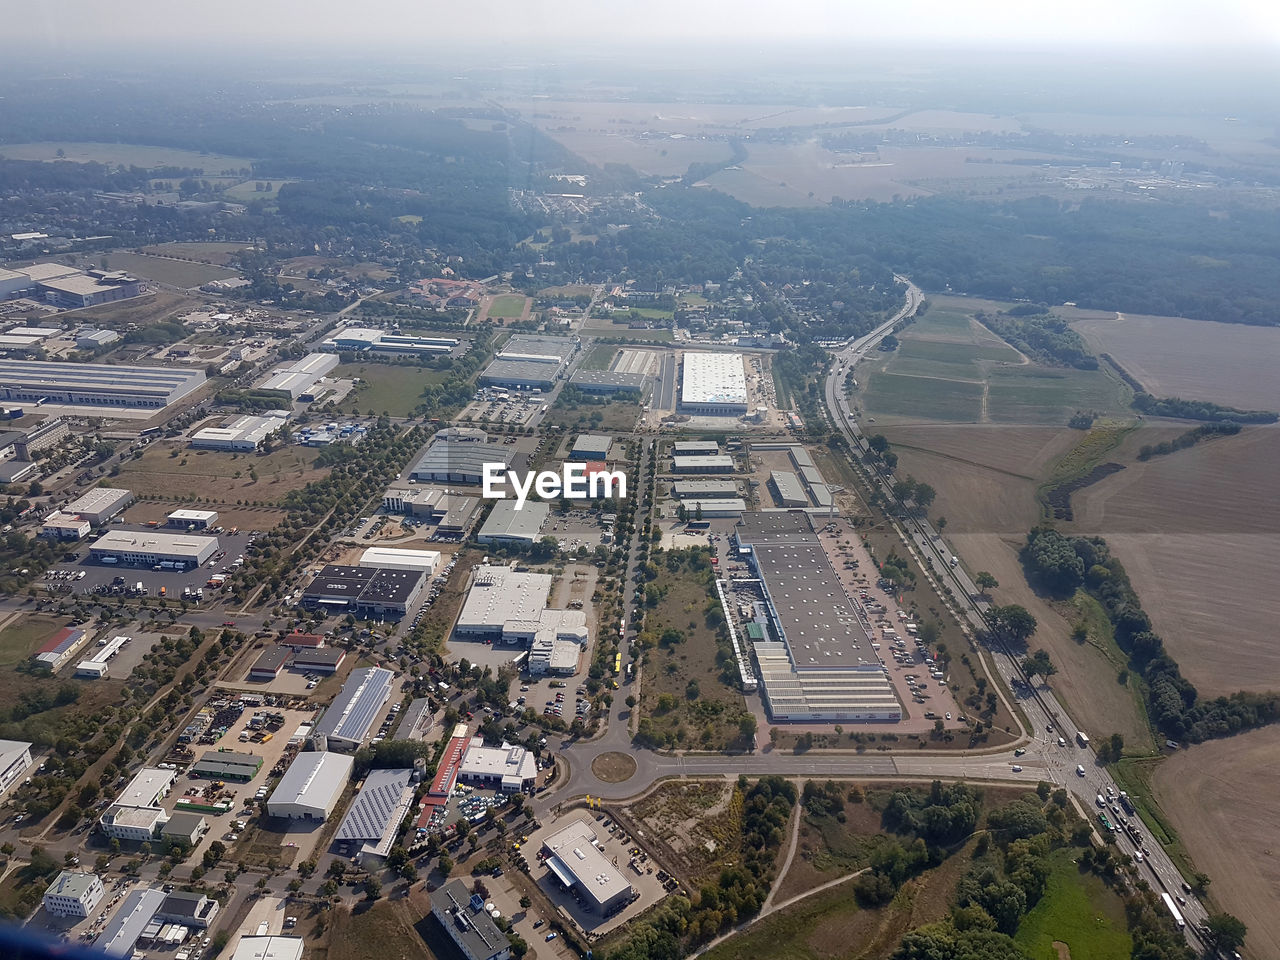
507, 306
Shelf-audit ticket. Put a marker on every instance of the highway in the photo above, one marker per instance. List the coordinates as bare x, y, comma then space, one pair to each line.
1049, 720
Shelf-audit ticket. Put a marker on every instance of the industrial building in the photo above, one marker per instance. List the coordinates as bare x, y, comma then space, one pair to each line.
268, 948
97, 665
73, 894
472, 928
507, 768
347, 722
188, 908
227, 765
713, 509
452, 514
527, 362
178, 551
100, 504
136, 813
298, 378
60, 648
608, 381
695, 448
15, 761
192, 519
392, 558
499, 595
787, 490
364, 591
717, 463
506, 524
95, 339
591, 446
704, 489
310, 788
323, 660
71, 289
457, 460
822, 666
95, 385
360, 339
122, 931
713, 383
42, 436
243, 434
186, 828
375, 815
575, 860
64, 526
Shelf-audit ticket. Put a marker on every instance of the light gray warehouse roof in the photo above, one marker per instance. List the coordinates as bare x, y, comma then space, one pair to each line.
713, 378
460, 458
505, 523
608, 380
154, 541
499, 594
684, 489
789, 489
63, 382
313, 779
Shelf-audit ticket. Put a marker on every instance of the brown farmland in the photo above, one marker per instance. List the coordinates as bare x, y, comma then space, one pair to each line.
1221, 798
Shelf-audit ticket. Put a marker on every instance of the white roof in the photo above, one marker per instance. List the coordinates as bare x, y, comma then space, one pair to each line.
510, 763
400, 559
155, 541
313, 780
268, 948
145, 786
505, 522
208, 516
500, 594
98, 499
713, 378
248, 429
595, 876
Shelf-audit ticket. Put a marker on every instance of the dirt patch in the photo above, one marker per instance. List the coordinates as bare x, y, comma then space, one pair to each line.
691, 824
243, 518
1064, 952
614, 767
215, 473
1236, 843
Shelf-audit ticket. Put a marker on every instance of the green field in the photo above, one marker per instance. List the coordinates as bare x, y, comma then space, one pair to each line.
176, 273
1078, 910
1036, 394
614, 415
957, 401
600, 356
129, 154
950, 352
21, 638
244, 192
396, 390
507, 306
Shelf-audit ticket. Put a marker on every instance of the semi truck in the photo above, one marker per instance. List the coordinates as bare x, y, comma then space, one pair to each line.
1173, 909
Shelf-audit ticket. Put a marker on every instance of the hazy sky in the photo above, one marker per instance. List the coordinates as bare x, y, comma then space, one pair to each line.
432, 23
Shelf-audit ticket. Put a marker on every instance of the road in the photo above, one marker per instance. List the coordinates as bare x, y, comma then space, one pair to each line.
1048, 718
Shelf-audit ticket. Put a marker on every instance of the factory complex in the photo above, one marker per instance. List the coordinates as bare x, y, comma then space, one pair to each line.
95, 385
713, 383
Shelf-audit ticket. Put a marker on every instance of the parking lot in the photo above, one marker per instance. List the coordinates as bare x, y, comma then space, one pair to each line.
517, 410
618, 848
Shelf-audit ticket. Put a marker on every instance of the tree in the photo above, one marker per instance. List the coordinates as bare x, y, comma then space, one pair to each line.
1223, 934
1038, 664
1014, 621
985, 581
372, 888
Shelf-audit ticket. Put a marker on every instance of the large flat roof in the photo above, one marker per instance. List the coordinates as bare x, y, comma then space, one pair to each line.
313, 779
500, 594
146, 785
155, 541
100, 379
587, 379
451, 457
713, 378
98, 499
505, 522
511, 763
355, 708
380, 803
593, 874
268, 948
122, 930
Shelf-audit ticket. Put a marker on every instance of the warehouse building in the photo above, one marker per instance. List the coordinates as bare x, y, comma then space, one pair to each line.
269, 664
60, 648
591, 446
176, 551
64, 526
323, 660
186, 828
297, 378
95, 339
192, 519
268, 948
704, 489
452, 514
347, 722
76, 290
695, 448
787, 490
42, 436
718, 463
122, 931
576, 862
713, 383
713, 509
227, 765
391, 558
96, 385
188, 908
822, 667
454, 460
136, 813
375, 815
100, 504
608, 381
73, 894
463, 916
367, 592
243, 434
506, 524
15, 761
527, 362
499, 595
361, 339
506, 768
310, 788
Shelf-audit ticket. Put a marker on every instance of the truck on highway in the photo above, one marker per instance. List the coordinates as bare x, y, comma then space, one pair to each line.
1173, 909
1082, 738
1126, 803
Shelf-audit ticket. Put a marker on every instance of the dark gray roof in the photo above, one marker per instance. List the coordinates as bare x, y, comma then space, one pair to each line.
369, 814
